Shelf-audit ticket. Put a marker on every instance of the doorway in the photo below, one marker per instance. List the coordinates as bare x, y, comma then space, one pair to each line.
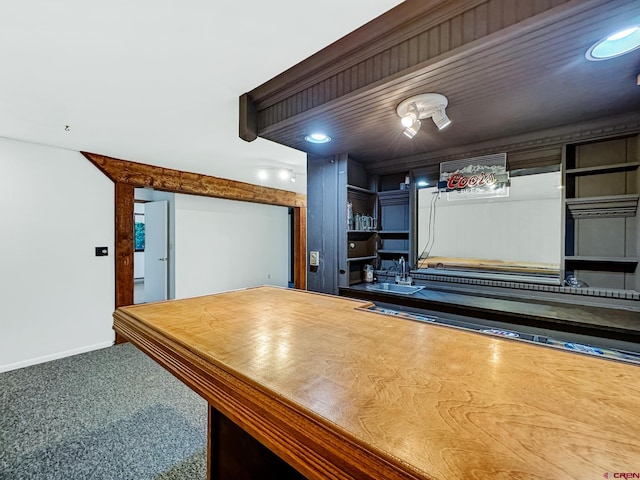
152, 257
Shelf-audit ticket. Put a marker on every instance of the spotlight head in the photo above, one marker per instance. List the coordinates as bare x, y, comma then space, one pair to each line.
408, 120
410, 117
412, 130
440, 118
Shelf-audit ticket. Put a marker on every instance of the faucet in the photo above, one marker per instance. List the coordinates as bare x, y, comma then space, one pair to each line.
403, 278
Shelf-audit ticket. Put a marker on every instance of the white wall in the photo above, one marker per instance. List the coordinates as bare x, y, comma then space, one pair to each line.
57, 297
223, 245
524, 227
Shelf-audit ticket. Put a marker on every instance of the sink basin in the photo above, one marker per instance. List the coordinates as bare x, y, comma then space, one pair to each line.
394, 288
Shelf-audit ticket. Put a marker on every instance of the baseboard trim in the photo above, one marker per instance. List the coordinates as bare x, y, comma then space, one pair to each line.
54, 356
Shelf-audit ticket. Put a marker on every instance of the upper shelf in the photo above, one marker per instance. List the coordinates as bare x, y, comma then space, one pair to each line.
353, 188
599, 169
361, 259
602, 263
601, 259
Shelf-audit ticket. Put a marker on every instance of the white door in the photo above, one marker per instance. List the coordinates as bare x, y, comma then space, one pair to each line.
156, 258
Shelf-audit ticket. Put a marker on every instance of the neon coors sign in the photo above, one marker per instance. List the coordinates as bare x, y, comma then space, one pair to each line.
478, 177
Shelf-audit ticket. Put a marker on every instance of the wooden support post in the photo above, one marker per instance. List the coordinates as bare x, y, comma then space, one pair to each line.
124, 245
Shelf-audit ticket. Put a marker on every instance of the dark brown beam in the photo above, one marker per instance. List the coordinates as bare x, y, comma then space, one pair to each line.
124, 246
248, 127
169, 180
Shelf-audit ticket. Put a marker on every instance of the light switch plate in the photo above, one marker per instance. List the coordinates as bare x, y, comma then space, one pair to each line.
314, 259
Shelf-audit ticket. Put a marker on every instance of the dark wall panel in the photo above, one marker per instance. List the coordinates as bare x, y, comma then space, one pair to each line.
322, 205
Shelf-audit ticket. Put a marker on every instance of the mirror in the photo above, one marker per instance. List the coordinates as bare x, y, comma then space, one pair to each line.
515, 238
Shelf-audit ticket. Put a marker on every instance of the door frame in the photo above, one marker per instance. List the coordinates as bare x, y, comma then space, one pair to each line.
128, 175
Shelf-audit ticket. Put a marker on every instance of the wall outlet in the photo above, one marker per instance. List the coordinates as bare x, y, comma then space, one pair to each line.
314, 259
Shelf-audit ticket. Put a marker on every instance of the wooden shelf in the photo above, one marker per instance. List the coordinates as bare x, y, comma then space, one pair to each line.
355, 232
602, 264
397, 252
617, 167
353, 188
361, 259
601, 259
393, 232
397, 191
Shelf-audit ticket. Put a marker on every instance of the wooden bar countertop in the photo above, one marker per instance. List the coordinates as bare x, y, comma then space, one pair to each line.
341, 392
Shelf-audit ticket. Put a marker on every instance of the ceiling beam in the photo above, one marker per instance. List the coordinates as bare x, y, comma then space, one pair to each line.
169, 180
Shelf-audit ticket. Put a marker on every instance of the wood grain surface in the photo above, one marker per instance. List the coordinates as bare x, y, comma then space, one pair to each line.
341, 392
457, 263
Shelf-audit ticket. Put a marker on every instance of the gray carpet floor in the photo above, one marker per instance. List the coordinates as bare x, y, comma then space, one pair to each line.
108, 414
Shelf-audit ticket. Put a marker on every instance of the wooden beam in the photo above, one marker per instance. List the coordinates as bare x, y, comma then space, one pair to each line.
248, 124
124, 246
169, 180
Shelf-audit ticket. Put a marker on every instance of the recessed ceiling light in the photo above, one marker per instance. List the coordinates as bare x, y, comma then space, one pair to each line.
318, 138
619, 43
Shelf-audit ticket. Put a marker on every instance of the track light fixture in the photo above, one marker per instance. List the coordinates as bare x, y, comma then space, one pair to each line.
419, 107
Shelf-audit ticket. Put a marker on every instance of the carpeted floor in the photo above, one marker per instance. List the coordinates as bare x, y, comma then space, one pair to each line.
109, 414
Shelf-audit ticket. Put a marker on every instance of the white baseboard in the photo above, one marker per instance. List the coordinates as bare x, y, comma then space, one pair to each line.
54, 356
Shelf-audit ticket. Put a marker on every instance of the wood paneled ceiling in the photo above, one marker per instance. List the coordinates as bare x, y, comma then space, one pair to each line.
514, 73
